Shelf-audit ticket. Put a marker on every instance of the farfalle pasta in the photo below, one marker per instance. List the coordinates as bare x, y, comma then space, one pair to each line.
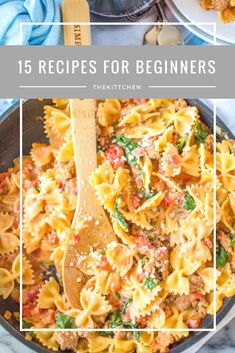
155, 181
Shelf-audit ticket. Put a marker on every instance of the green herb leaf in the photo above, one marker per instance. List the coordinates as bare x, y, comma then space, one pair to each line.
125, 324
119, 217
151, 193
64, 321
182, 143
137, 336
189, 202
151, 239
37, 187
107, 334
221, 256
150, 283
200, 134
233, 241
118, 295
28, 325
116, 316
128, 146
124, 306
143, 261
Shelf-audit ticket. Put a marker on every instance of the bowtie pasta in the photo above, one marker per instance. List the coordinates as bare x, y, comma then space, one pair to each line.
155, 181
225, 8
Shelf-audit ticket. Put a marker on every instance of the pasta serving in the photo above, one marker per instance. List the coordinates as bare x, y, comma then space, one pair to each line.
155, 181
225, 8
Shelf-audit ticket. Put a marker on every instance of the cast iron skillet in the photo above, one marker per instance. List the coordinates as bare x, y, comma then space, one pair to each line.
32, 132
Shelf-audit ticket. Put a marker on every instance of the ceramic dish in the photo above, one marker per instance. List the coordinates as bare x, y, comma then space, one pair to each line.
191, 11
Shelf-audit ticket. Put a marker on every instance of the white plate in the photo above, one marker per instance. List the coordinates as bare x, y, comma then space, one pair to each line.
192, 28
192, 11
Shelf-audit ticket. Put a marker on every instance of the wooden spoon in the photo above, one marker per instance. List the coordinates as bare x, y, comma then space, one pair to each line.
99, 231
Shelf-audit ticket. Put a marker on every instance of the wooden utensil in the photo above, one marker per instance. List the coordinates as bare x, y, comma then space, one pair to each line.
151, 36
169, 35
99, 231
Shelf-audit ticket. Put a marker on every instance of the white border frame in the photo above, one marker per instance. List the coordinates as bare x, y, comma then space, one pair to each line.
145, 329
213, 24
21, 190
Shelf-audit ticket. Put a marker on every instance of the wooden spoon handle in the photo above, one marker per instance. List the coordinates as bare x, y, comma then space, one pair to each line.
76, 11
84, 135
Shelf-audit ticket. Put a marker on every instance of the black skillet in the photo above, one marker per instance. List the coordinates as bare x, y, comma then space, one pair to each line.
33, 131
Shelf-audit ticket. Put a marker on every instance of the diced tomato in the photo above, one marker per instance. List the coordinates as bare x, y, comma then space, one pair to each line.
53, 239
142, 321
47, 316
76, 238
140, 100
136, 201
115, 156
172, 198
194, 296
33, 293
174, 159
194, 322
28, 184
4, 182
208, 243
104, 264
62, 186
26, 310
167, 311
142, 241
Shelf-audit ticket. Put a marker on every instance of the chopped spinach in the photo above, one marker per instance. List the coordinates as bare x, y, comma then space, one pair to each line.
200, 133
118, 322
118, 295
151, 239
124, 306
150, 283
27, 325
107, 334
182, 143
143, 261
128, 147
119, 217
233, 241
189, 202
221, 256
64, 321
151, 193
116, 317
137, 336
37, 187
